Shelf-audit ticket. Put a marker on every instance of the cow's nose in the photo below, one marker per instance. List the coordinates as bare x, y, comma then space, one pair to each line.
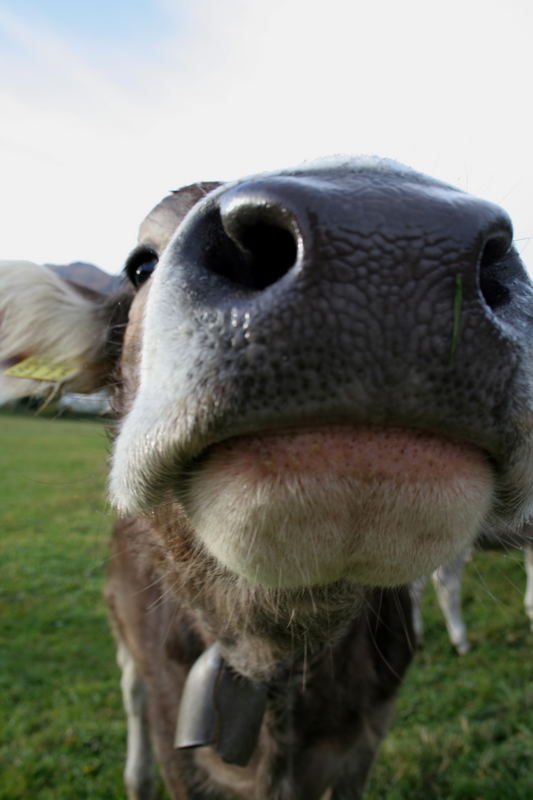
261, 230
255, 233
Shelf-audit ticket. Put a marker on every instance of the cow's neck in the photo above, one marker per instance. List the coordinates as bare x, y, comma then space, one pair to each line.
326, 709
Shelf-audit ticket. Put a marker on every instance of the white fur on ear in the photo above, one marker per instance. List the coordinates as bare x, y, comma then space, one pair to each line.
42, 315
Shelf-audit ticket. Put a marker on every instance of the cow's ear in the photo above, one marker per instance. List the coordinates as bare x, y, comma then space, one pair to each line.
159, 225
53, 334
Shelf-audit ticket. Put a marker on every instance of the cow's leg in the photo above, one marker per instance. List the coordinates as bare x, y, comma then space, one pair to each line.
447, 582
139, 774
416, 590
528, 599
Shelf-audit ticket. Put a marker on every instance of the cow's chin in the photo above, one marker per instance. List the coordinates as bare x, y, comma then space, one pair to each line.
373, 506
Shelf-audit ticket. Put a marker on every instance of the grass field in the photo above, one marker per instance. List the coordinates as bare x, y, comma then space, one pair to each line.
463, 728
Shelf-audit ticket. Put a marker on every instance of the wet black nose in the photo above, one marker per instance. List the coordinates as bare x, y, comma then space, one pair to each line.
364, 293
261, 230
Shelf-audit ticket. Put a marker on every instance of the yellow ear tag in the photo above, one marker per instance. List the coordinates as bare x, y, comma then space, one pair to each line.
39, 368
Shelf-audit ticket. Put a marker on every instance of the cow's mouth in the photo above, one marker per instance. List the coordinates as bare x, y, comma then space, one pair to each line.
313, 506
363, 452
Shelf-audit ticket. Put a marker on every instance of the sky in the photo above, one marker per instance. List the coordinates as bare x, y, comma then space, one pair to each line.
106, 106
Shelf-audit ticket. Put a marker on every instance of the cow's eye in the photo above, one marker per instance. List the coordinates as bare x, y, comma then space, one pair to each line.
140, 264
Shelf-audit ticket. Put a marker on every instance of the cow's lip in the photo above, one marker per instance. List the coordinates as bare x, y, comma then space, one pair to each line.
294, 431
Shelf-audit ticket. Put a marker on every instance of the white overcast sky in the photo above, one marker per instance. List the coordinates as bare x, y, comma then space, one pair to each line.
105, 106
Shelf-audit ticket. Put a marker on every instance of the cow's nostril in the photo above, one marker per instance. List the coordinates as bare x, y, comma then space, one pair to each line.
253, 249
271, 250
492, 270
494, 250
265, 237
254, 254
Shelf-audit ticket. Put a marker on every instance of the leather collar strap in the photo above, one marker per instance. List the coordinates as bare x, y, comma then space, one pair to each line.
220, 708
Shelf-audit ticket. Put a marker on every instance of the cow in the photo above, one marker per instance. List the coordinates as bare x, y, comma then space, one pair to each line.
322, 383
447, 582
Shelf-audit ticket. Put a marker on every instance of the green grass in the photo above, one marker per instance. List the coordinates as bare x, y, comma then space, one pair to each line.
463, 727
464, 724
61, 724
